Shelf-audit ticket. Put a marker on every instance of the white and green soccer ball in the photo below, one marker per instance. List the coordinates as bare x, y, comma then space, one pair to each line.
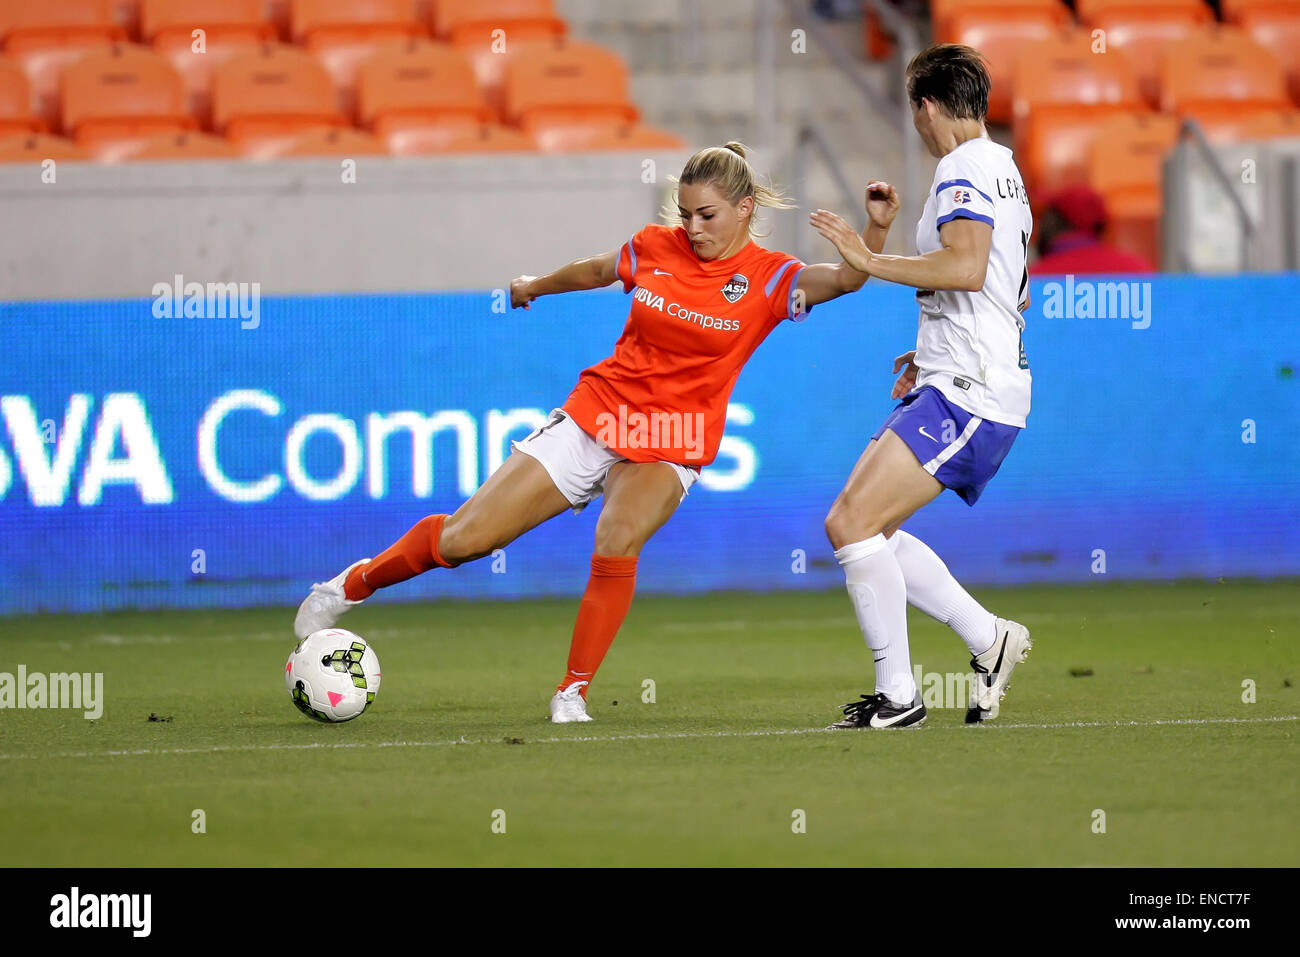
332, 675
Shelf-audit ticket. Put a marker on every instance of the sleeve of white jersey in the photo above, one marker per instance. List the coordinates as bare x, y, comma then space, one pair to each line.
963, 191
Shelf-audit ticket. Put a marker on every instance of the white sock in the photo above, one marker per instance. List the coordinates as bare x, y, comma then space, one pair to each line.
879, 595
931, 588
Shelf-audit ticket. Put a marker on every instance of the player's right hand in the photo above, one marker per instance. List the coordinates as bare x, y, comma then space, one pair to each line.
907, 381
521, 291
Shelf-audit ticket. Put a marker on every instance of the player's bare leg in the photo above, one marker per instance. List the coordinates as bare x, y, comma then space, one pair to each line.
517, 497
639, 499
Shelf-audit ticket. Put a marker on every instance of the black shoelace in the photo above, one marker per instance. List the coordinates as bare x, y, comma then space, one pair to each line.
869, 702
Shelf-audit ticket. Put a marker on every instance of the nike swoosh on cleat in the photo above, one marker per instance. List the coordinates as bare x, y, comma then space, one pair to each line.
1002, 651
877, 723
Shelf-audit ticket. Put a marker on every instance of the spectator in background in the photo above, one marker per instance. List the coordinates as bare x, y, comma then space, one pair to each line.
1070, 238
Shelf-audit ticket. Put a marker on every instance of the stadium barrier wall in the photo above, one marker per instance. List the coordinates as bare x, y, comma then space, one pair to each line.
381, 224
148, 461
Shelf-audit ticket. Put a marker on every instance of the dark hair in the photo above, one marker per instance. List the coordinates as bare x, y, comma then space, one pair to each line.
953, 77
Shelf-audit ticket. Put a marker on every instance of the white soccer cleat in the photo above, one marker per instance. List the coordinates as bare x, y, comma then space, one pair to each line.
325, 605
993, 670
569, 705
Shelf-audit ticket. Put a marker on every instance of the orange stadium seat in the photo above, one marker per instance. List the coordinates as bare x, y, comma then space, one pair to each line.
38, 147
1063, 90
45, 36
1142, 31
1001, 34
343, 33
1271, 124
572, 96
16, 101
261, 99
1278, 29
493, 31
1220, 75
327, 141
1232, 10
1125, 166
1086, 9
941, 11
229, 27
182, 146
114, 101
421, 97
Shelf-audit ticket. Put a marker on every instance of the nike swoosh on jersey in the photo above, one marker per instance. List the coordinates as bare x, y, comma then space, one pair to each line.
927, 434
660, 272
877, 723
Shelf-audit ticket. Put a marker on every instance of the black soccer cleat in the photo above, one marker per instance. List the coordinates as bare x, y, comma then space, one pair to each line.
877, 711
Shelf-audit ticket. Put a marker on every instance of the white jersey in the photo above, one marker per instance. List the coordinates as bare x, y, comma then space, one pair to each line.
968, 344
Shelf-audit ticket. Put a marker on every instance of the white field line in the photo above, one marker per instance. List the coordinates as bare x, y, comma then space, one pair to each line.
668, 736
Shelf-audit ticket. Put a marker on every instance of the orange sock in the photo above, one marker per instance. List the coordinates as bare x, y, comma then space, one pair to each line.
604, 606
413, 554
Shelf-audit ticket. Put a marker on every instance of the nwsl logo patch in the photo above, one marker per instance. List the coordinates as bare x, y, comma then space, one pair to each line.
961, 196
736, 287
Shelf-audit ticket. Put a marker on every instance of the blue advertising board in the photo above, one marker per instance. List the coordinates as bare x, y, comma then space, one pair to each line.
150, 458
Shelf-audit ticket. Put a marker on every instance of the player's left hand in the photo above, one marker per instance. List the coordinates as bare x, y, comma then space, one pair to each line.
882, 203
845, 238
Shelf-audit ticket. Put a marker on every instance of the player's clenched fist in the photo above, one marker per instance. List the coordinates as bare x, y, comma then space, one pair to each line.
882, 203
521, 291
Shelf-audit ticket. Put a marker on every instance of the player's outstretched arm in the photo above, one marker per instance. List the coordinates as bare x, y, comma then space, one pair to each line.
960, 264
822, 282
591, 273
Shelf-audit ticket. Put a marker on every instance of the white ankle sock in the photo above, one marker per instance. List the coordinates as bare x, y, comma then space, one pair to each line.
931, 588
879, 595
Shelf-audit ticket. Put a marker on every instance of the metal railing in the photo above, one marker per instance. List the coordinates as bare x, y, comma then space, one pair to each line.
1191, 136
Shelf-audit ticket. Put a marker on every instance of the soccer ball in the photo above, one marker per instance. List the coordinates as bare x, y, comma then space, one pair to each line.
332, 675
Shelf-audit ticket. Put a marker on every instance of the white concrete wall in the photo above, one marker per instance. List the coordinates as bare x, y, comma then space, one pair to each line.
470, 222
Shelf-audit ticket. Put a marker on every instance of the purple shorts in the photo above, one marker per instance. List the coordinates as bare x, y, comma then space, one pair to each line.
958, 448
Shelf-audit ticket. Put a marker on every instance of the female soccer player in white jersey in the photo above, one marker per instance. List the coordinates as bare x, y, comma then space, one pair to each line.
706, 295
964, 390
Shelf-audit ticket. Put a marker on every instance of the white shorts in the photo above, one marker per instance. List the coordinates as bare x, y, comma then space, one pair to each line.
577, 463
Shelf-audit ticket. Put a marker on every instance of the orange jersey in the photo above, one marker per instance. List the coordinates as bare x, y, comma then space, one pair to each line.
662, 396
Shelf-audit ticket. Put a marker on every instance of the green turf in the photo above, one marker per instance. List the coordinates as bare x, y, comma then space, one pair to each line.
458, 732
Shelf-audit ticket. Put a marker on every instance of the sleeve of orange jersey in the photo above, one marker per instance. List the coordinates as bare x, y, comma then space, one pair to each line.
780, 289
626, 269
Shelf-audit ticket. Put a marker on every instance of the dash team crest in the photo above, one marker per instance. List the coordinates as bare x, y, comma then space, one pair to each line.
736, 287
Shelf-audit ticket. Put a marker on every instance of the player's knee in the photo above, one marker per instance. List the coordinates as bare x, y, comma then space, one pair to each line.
846, 524
618, 538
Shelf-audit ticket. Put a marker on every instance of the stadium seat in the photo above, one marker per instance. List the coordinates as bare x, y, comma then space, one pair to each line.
629, 136
1232, 10
1232, 126
326, 141
126, 14
1218, 75
941, 11
16, 101
1142, 32
491, 32
1278, 29
38, 147
421, 97
1086, 9
1001, 34
1125, 166
262, 98
572, 97
343, 33
45, 36
1270, 124
1063, 90
182, 146
114, 101
230, 27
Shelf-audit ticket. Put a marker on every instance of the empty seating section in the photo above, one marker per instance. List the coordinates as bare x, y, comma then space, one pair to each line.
116, 80
1101, 101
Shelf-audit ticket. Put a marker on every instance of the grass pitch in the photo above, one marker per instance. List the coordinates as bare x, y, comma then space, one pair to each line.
1131, 704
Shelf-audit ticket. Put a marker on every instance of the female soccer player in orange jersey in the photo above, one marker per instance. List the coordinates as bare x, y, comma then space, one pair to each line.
639, 426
